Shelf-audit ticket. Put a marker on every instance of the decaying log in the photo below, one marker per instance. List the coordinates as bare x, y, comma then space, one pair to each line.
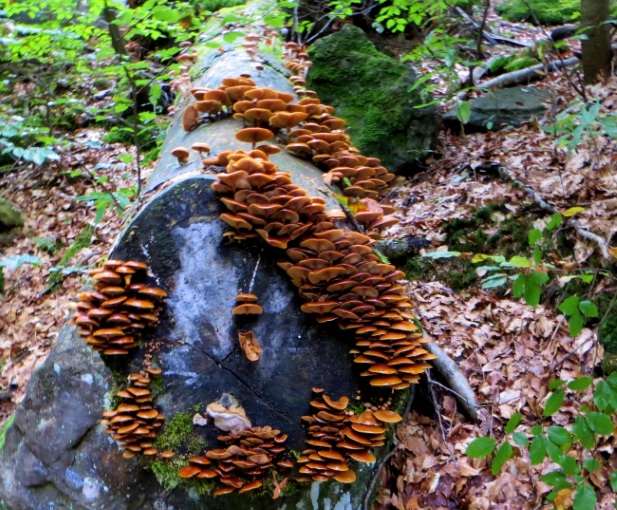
526, 75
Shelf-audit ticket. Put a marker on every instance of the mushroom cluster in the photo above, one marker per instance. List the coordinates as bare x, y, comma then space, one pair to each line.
335, 270
134, 423
112, 316
241, 464
262, 201
308, 129
335, 438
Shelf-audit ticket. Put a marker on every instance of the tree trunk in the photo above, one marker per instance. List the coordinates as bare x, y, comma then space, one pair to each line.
597, 52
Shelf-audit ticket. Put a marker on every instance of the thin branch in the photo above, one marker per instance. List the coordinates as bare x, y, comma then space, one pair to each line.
448, 368
601, 243
135, 137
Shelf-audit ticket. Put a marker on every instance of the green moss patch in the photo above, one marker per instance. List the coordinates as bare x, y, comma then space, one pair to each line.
547, 12
176, 431
608, 329
3, 430
371, 91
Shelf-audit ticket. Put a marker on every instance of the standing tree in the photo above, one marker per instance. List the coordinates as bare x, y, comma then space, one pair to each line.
597, 52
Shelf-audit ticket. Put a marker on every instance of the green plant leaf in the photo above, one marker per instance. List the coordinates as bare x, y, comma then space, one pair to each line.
580, 383
513, 423
534, 236
591, 464
520, 439
230, 37
569, 465
555, 222
554, 452
569, 306
537, 450
518, 287
537, 277
518, 261
583, 433
614, 480
536, 430
554, 402
555, 383
605, 394
600, 423
532, 293
588, 309
463, 112
481, 447
558, 435
576, 323
585, 497
502, 455
555, 479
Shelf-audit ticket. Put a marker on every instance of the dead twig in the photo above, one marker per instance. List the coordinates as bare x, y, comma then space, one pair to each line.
448, 368
586, 234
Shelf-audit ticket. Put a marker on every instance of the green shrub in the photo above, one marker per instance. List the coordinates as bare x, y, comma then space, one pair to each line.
547, 12
215, 5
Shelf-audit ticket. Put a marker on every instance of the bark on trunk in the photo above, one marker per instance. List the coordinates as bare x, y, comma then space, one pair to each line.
597, 52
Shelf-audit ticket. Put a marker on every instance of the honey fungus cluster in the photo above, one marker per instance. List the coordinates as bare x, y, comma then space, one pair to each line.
336, 271
336, 438
135, 422
243, 462
112, 316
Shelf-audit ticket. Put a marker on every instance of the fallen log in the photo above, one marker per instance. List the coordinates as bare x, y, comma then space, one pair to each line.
527, 75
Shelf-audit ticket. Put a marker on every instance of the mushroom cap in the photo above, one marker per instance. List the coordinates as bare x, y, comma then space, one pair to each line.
247, 309
188, 471
387, 416
246, 297
190, 117
348, 476
254, 135
200, 147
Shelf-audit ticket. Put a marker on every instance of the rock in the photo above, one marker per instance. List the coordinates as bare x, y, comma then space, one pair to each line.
501, 108
10, 221
371, 91
71, 461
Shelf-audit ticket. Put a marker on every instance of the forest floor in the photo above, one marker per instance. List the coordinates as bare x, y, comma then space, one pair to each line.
508, 350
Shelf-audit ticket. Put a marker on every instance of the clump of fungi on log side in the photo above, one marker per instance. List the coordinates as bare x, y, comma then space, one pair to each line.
243, 462
135, 422
335, 270
336, 437
112, 315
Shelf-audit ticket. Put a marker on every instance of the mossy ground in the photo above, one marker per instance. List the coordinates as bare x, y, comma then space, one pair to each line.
491, 230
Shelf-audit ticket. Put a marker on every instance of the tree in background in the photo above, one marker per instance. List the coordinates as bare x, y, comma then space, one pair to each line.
597, 51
